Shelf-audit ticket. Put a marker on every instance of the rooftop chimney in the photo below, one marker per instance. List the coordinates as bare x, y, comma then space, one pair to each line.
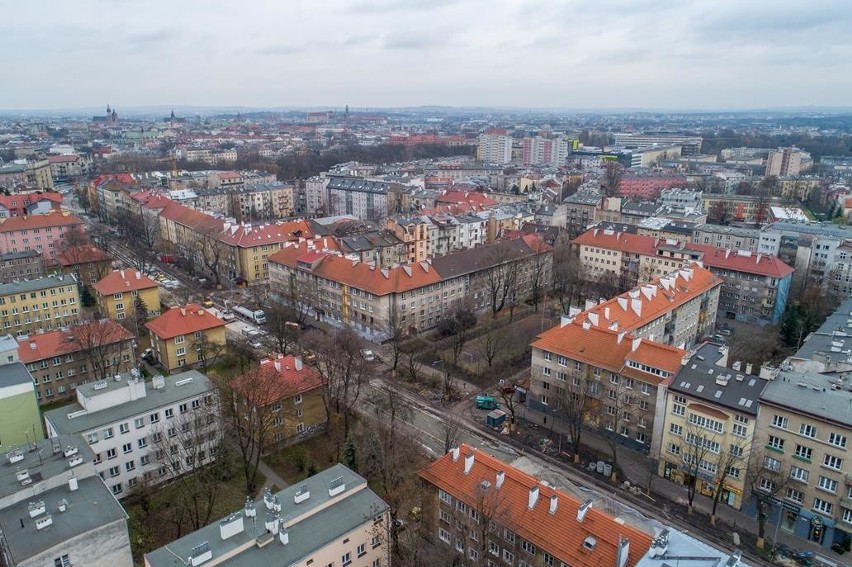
622, 552
501, 476
554, 502
468, 462
581, 511
298, 364
533, 496
455, 452
636, 342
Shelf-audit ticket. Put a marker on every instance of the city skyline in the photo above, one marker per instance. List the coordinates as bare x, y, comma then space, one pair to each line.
379, 53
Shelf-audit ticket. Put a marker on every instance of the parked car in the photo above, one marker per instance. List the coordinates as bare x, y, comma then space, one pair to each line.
207, 302
368, 355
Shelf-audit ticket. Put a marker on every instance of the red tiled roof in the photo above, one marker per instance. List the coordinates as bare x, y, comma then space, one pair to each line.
82, 255
612, 240
28, 222
23, 200
603, 348
120, 281
62, 159
651, 300
79, 337
246, 236
739, 261
560, 533
277, 379
183, 321
473, 198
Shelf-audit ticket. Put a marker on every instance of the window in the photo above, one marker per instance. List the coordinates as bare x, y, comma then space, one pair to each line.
473, 553
799, 474
509, 536
775, 443
739, 430
548, 559
111, 454
127, 447
116, 488
508, 556
130, 465
548, 356
114, 472
527, 547
444, 497
766, 485
108, 433
170, 413
154, 417
804, 452
674, 449
832, 462
139, 423
297, 399
375, 542
827, 484
678, 409
144, 460
779, 421
92, 438
124, 428
837, 440
771, 464
794, 495
807, 430
676, 429
180, 339
823, 506
180, 351
444, 535
63, 561
461, 507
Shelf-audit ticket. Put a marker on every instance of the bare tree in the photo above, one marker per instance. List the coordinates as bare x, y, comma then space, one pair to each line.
699, 448
540, 269
451, 431
74, 237
622, 408
396, 332
612, 175
728, 464
492, 343
282, 328
411, 352
499, 279
142, 236
767, 476
565, 272
207, 351
187, 448
576, 400
211, 250
457, 329
251, 408
343, 369
104, 344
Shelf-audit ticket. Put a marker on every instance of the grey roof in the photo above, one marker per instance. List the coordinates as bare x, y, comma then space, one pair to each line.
701, 378
813, 228
812, 394
358, 184
732, 230
19, 255
43, 463
155, 398
37, 284
320, 525
832, 342
480, 258
14, 373
89, 507
369, 241
684, 550
641, 208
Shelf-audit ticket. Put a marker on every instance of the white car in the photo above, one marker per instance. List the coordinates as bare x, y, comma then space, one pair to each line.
368, 355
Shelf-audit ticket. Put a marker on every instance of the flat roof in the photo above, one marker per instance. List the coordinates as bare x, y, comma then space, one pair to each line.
810, 393
701, 378
328, 518
89, 507
14, 373
155, 398
42, 463
833, 340
684, 551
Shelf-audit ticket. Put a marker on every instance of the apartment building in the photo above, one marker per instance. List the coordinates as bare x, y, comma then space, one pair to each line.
495, 146
20, 420
21, 204
785, 162
365, 199
62, 359
414, 231
252, 202
748, 209
621, 375
316, 196
47, 303
382, 247
804, 427
116, 294
70, 166
676, 309
708, 423
488, 512
55, 511
580, 211
289, 397
754, 240
544, 151
691, 144
186, 336
42, 233
648, 186
26, 173
331, 518
89, 264
755, 287
141, 432
345, 291
28, 265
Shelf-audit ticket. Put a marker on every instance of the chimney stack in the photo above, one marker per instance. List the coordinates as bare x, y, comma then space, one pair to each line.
501, 476
298, 364
554, 502
581, 511
455, 452
468, 462
533, 496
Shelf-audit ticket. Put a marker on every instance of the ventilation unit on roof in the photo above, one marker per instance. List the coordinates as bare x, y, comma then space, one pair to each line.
100, 385
36, 508
15, 456
336, 486
200, 554
43, 522
302, 494
184, 381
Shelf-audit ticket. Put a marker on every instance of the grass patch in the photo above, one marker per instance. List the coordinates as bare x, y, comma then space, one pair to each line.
298, 462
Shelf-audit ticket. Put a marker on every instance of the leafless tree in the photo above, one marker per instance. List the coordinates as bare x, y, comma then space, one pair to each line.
500, 278
103, 343
622, 407
74, 237
343, 369
251, 409
698, 452
411, 352
142, 236
566, 274
282, 327
493, 342
207, 351
396, 332
612, 175
186, 448
576, 400
540, 270
210, 250
450, 432
729, 463
767, 476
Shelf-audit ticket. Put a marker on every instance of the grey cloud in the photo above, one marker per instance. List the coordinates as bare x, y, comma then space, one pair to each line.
387, 6
412, 41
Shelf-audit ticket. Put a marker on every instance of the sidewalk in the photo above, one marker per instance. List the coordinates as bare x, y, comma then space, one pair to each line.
272, 478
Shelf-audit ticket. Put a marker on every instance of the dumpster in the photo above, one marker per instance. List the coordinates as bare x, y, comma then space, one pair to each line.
486, 402
495, 419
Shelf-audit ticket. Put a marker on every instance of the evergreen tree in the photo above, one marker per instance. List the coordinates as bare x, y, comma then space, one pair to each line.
350, 455
86, 297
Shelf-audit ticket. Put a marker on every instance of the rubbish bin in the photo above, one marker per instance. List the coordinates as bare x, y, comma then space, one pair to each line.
600, 467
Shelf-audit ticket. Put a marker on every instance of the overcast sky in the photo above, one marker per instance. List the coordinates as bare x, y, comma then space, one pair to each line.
523, 53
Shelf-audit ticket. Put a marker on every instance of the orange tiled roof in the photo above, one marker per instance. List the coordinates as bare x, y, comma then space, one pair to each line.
23, 200
761, 264
643, 304
82, 255
120, 281
277, 379
28, 222
56, 343
183, 321
603, 348
559, 533
246, 236
613, 240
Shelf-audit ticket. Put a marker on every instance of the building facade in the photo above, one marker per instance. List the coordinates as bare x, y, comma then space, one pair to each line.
495, 146
47, 303
139, 435
186, 336
28, 265
117, 292
42, 233
20, 421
